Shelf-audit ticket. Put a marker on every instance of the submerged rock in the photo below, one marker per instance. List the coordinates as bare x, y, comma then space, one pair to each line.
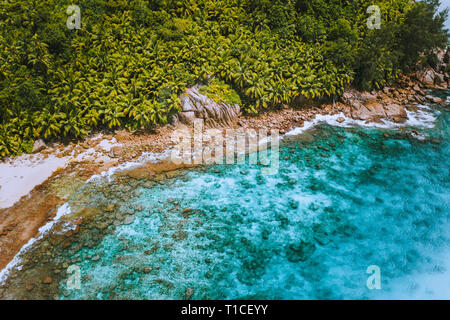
189, 293
180, 235
147, 270
300, 252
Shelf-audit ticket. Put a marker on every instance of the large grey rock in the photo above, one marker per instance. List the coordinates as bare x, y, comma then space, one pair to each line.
38, 146
395, 112
427, 76
370, 112
187, 117
367, 97
186, 104
198, 106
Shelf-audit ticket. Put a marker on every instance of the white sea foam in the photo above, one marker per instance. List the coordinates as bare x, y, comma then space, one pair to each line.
144, 158
108, 144
423, 117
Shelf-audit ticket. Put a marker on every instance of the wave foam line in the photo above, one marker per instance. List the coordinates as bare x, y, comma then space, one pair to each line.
15, 262
419, 118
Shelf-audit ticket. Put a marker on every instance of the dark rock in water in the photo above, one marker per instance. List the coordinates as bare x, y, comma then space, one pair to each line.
147, 270
293, 204
253, 268
127, 260
265, 234
435, 140
300, 252
322, 239
165, 283
153, 249
179, 235
187, 212
282, 218
189, 293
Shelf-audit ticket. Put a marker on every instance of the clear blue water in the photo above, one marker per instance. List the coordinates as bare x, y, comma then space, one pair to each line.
377, 197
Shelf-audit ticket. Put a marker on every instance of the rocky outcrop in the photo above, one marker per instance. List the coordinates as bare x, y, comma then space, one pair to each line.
390, 102
198, 106
434, 99
427, 76
431, 78
437, 77
371, 108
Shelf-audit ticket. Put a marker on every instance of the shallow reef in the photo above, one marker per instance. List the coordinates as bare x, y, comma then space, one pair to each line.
344, 199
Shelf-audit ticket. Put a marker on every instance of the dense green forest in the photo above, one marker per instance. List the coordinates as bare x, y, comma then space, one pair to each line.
129, 61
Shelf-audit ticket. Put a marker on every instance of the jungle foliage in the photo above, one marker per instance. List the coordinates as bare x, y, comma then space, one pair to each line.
130, 60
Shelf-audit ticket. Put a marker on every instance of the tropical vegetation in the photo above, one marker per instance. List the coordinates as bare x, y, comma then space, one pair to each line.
130, 60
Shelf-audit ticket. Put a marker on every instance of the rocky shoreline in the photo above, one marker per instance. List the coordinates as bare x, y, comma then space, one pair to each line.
21, 221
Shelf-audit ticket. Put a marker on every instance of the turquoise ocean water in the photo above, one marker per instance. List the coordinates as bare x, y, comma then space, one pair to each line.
344, 199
